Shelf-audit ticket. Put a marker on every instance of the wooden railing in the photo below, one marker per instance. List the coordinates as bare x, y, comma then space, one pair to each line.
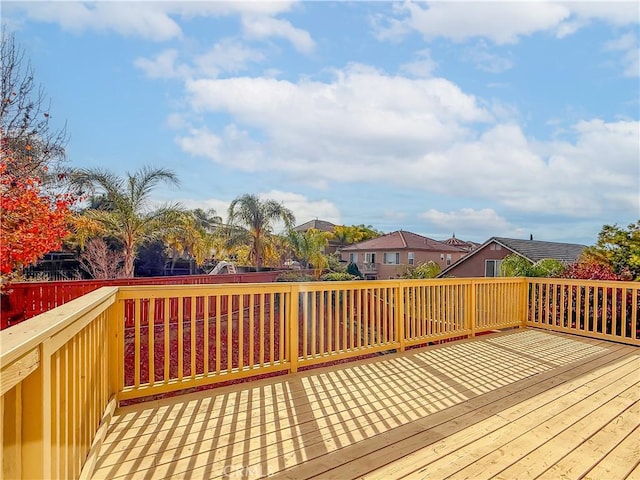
25, 300
59, 385
598, 309
64, 372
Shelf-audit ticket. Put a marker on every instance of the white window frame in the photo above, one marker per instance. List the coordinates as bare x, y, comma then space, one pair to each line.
353, 257
396, 258
370, 257
411, 258
448, 259
496, 267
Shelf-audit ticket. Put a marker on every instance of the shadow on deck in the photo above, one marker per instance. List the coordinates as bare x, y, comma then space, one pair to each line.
518, 404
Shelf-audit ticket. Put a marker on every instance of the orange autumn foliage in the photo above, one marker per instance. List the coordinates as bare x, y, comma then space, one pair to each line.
32, 221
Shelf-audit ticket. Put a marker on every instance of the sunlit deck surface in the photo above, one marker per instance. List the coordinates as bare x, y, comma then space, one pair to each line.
517, 404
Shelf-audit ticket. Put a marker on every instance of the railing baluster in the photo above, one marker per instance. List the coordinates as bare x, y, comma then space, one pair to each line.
192, 302
251, 312
206, 303
152, 334
181, 318
229, 332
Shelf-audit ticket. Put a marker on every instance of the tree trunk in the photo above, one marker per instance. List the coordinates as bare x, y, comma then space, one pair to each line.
129, 258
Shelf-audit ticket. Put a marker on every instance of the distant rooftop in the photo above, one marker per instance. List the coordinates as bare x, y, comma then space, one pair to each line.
400, 240
535, 250
321, 225
456, 242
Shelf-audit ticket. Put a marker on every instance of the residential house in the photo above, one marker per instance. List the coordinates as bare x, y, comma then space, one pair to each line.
387, 256
485, 260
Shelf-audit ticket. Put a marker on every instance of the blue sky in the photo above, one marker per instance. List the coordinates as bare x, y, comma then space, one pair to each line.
479, 118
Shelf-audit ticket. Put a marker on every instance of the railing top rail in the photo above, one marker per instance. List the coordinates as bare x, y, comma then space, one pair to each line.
585, 283
163, 291
136, 291
22, 338
140, 280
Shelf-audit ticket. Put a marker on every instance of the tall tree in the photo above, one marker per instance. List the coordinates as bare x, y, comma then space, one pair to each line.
620, 248
349, 234
32, 222
127, 215
33, 217
192, 235
38, 150
253, 220
308, 247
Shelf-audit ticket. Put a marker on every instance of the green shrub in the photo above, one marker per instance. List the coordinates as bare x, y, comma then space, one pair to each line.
294, 277
428, 269
337, 277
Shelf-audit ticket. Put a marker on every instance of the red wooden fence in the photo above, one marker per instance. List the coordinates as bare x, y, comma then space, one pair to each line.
28, 299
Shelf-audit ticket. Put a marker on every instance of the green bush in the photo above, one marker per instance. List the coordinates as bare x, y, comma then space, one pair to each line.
294, 277
337, 277
428, 269
335, 265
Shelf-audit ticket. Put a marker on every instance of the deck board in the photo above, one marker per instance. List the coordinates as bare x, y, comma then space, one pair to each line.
518, 404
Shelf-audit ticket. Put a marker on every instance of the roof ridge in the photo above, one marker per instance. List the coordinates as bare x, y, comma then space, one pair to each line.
404, 241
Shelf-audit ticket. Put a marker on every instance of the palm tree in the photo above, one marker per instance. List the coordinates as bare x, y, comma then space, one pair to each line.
192, 235
253, 221
309, 247
127, 214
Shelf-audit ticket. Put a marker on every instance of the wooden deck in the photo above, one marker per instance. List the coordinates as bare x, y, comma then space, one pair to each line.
520, 404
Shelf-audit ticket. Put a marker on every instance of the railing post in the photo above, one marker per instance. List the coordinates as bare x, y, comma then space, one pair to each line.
399, 308
471, 316
292, 330
525, 302
31, 428
116, 346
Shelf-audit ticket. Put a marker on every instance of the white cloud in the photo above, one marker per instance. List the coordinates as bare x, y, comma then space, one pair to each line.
483, 221
361, 111
227, 56
423, 66
141, 19
370, 128
484, 60
628, 45
233, 148
500, 22
156, 21
266, 27
162, 65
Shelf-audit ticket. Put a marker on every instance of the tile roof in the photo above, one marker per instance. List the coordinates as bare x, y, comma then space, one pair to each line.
535, 250
401, 240
321, 225
456, 242
532, 250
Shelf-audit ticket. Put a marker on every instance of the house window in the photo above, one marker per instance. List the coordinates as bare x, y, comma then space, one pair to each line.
492, 268
448, 259
392, 258
353, 257
442, 257
410, 258
370, 257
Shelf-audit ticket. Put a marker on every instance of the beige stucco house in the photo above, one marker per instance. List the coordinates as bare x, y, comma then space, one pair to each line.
387, 256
